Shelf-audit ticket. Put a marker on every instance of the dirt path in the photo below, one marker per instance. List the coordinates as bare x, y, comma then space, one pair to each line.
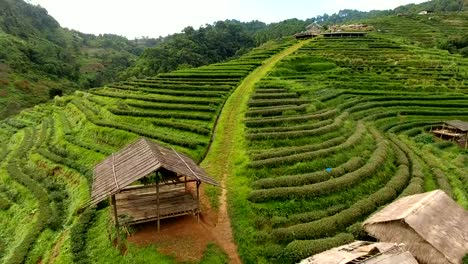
228, 140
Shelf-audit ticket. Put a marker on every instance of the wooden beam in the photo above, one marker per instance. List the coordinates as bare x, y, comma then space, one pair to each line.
116, 218
157, 206
466, 140
198, 201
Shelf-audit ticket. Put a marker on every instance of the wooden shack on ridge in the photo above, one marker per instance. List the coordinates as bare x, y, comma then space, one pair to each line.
433, 227
454, 130
362, 252
169, 194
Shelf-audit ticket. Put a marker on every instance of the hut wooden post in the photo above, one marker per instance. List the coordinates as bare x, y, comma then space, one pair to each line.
185, 183
198, 201
116, 218
443, 128
466, 140
157, 205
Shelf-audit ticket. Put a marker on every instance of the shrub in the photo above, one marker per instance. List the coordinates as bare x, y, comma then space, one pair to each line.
22, 85
325, 187
78, 236
300, 133
269, 121
301, 249
309, 178
289, 159
4, 204
294, 150
424, 139
55, 92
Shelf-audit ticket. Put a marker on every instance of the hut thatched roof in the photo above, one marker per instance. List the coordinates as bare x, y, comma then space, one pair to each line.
361, 252
458, 124
432, 225
137, 161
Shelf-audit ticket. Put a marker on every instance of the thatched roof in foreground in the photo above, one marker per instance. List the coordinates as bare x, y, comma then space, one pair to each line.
137, 161
431, 225
360, 252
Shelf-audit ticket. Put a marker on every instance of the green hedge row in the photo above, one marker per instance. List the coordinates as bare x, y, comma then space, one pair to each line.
416, 184
324, 187
202, 75
301, 249
306, 126
269, 90
44, 212
395, 127
283, 95
182, 126
161, 114
21, 250
189, 143
274, 111
189, 93
306, 217
178, 86
67, 161
369, 105
73, 139
329, 226
309, 178
16, 123
353, 140
195, 101
276, 102
272, 153
182, 107
408, 111
270, 121
67, 128
79, 235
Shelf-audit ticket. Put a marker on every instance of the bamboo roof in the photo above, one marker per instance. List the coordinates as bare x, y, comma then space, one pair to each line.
458, 124
431, 224
137, 161
361, 252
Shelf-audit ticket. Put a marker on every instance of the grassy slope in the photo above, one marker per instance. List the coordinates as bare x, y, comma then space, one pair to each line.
356, 71
228, 151
59, 144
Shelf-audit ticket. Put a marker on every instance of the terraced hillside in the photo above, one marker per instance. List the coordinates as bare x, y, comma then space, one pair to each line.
334, 131
425, 30
47, 155
337, 130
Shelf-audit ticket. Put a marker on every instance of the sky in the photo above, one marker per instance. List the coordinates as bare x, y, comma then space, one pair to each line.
154, 18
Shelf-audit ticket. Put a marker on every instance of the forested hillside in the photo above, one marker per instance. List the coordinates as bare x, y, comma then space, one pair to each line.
39, 59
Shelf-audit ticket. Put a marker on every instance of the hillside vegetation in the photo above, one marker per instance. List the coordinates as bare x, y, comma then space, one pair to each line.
317, 142
47, 155
39, 59
337, 130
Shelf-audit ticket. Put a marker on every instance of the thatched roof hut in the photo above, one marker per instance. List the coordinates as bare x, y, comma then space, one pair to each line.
167, 194
361, 252
432, 226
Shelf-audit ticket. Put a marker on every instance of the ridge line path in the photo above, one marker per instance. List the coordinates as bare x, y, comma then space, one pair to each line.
227, 139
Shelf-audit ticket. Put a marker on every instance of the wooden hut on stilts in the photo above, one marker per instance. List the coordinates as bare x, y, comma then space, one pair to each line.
148, 182
453, 130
